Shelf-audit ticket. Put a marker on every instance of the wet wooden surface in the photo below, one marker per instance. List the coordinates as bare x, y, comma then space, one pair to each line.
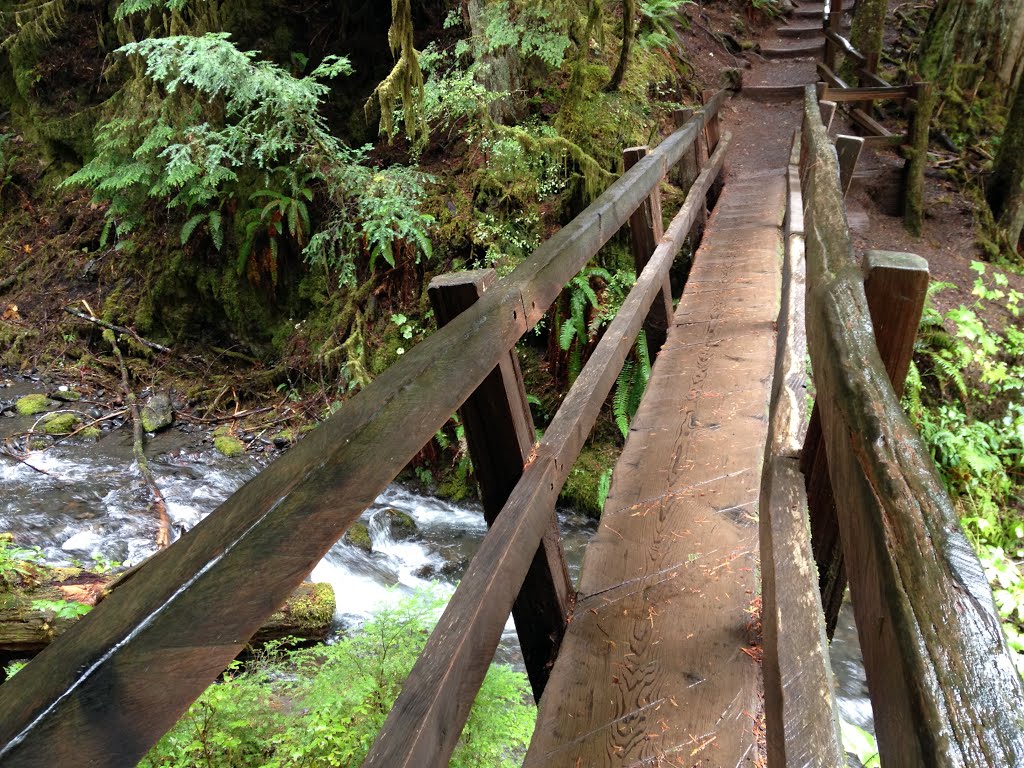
654, 668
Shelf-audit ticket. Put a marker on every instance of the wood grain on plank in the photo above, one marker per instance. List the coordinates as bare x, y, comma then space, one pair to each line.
653, 667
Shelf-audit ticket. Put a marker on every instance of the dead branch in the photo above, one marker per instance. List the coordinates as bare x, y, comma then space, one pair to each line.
163, 536
119, 329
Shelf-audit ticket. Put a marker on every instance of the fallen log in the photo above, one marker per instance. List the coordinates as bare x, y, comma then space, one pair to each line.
31, 617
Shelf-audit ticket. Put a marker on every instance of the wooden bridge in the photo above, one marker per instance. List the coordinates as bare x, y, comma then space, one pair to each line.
652, 659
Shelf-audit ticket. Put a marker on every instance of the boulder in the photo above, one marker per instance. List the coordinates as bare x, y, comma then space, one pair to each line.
157, 413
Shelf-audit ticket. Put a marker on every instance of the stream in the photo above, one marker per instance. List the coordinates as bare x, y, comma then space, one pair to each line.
85, 510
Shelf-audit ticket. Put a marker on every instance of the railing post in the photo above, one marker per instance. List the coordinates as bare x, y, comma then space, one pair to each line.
688, 169
895, 285
848, 149
645, 231
712, 133
828, 112
500, 435
833, 23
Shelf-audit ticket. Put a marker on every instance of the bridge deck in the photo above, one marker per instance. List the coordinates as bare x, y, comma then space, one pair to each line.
653, 669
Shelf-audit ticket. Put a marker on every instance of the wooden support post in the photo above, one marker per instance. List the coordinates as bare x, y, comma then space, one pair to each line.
848, 149
712, 134
645, 231
833, 22
500, 434
828, 113
895, 285
688, 169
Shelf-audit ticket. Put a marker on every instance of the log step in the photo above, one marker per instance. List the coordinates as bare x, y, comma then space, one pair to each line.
800, 30
772, 93
794, 51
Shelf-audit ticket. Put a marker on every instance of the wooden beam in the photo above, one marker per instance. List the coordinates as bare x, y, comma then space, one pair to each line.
943, 684
848, 150
645, 231
868, 123
843, 45
688, 169
873, 93
425, 723
500, 435
105, 691
828, 112
831, 78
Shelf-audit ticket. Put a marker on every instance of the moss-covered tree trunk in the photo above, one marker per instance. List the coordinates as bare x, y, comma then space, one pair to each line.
628, 33
868, 29
957, 55
1005, 188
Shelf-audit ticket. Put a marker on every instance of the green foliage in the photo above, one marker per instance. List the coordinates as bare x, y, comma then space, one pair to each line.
18, 565
604, 486
8, 158
61, 609
324, 706
14, 668
861, 744
630, 385
221, 121
964, 394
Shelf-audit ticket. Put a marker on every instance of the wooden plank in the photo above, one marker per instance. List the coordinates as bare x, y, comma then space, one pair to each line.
500, 435
104, 692
805, 49
868, 123
799, 30
652, 670
772, 93
843, 45
848, 150
873, 93
830, 77
427, 718
801, 726
712, 132
872, 79
828, 112
943, 684
645, 231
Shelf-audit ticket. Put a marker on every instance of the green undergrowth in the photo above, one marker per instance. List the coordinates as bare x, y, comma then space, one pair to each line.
324, 706
964, 393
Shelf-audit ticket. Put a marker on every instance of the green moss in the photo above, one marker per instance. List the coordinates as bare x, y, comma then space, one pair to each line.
315, 609
90, 433
402, 525
581, 487
60, 423
358, 535
229, 446
30, 405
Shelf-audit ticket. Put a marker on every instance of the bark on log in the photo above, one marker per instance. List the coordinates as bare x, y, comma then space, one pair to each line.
943, 685
26, 630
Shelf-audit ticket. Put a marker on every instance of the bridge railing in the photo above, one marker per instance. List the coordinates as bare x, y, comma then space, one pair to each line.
942, 681
107, 689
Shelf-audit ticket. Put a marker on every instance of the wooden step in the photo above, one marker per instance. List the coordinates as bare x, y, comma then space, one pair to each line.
800, 30
793, 51
774, 94
815, 10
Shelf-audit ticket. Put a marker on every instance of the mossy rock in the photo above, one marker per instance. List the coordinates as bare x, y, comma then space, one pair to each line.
358, 535
61, 423
157, 413
315, 608
228, 446
29, 405
401, 524
90, 433
581, 487
66, 396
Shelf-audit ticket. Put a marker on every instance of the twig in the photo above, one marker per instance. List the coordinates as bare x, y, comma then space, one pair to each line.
120, 329
163, 536
6, 453
232, 417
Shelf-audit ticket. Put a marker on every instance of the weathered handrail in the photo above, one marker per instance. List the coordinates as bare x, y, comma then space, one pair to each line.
110, 687
442, 686
943, 686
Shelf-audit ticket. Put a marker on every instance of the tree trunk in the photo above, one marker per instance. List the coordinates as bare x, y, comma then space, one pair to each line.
628, 32
1005, 188
868, 29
